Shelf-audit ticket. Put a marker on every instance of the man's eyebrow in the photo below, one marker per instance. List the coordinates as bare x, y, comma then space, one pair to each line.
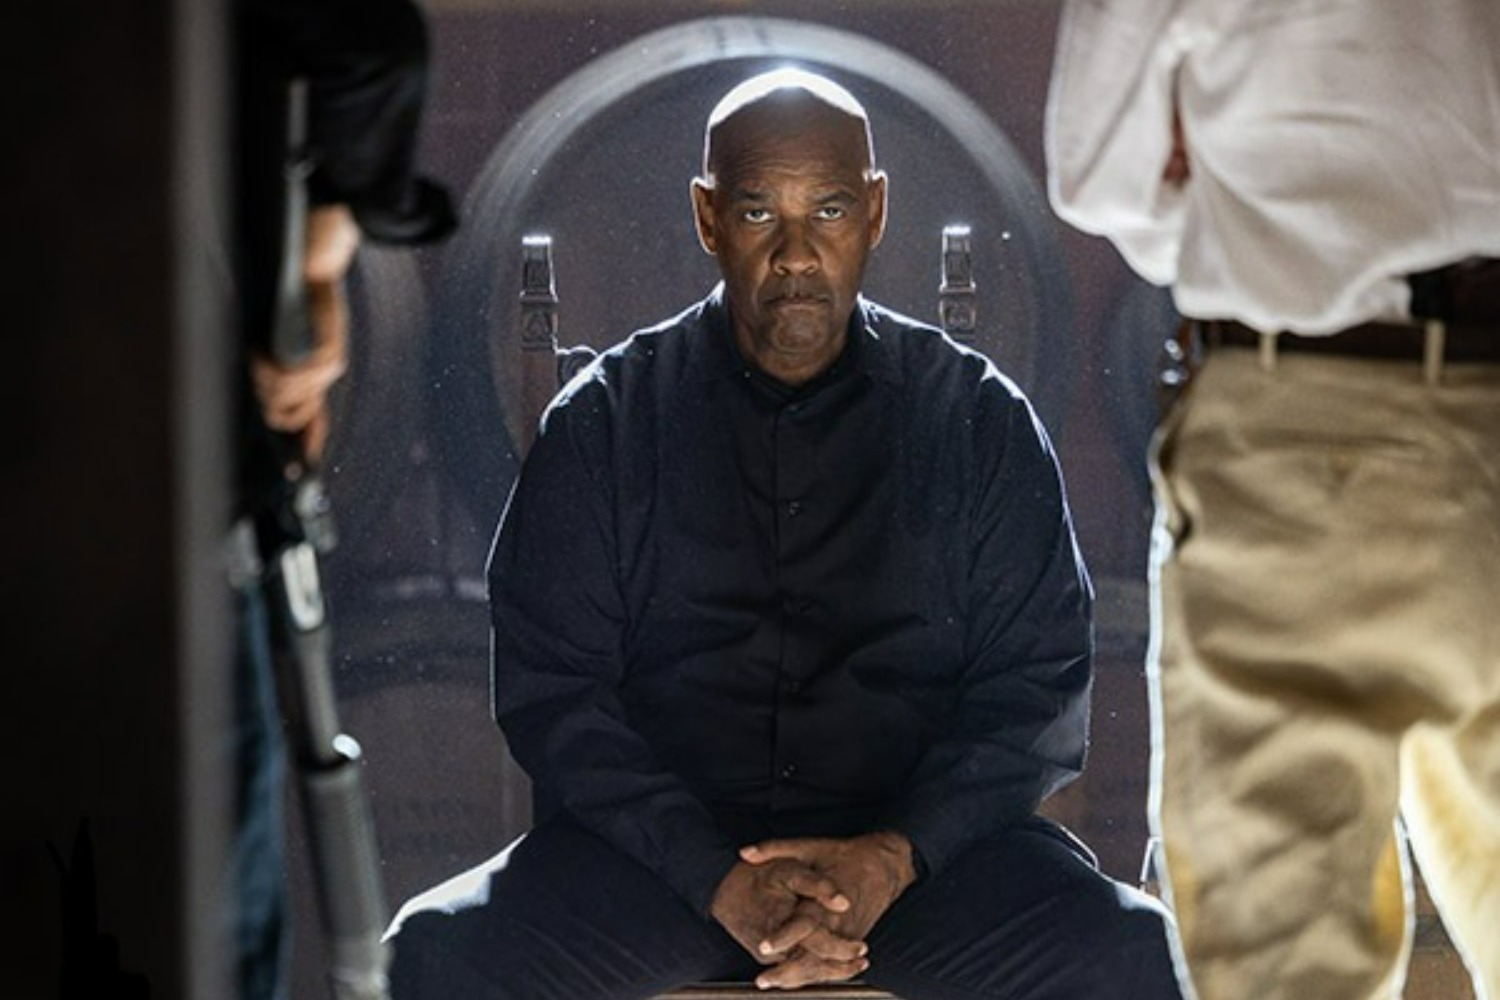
839, 195
740, 193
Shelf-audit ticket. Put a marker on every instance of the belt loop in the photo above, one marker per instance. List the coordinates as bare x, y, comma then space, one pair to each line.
1434, 334
1267, 351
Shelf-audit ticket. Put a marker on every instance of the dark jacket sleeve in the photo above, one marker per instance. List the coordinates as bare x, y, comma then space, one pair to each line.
365, 62
1022, 724
559, 627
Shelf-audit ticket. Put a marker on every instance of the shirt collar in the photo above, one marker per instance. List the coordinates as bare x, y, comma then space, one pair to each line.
718, 358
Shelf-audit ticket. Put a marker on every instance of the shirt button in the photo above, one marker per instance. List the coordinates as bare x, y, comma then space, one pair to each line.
794, 687
789, 771
793, 508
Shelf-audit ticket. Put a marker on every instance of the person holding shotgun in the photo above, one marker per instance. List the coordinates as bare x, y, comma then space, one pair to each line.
328, 100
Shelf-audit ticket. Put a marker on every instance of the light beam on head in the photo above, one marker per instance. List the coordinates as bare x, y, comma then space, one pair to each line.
782, 80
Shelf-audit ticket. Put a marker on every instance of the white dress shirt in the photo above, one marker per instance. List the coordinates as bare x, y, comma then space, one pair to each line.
1336, 146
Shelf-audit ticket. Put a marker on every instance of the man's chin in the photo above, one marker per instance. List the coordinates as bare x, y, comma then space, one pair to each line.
808, 325
809, 337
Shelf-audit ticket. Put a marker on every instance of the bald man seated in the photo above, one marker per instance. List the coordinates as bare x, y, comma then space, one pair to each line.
792, 635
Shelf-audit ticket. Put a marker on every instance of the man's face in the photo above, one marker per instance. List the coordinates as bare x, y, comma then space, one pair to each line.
791, 211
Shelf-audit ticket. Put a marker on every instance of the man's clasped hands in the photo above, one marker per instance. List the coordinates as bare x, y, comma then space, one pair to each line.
803, 907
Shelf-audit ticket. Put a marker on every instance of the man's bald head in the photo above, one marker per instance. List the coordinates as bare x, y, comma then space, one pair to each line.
783, 98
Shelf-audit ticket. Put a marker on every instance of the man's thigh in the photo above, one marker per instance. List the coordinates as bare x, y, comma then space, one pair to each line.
560, 915
1023, 916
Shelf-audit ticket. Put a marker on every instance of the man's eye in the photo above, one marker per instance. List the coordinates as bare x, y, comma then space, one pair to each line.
757, 215
830, 212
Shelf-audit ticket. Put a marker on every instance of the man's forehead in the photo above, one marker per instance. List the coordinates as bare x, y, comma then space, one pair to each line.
796, 136
813, 165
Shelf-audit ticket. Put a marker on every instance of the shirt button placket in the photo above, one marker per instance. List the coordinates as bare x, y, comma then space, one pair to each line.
794, 462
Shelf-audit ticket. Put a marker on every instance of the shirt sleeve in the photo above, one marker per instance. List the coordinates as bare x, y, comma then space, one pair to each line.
1022, 724
558, 637
366, 65
1108, 133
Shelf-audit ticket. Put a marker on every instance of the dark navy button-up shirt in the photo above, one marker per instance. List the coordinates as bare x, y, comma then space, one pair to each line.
725, 609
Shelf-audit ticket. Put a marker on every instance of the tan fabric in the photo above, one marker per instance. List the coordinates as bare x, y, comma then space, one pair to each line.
1327, 571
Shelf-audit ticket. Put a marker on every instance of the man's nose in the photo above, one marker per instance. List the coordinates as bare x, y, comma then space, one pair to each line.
795, 252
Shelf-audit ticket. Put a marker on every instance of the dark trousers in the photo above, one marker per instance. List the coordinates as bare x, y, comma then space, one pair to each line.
561, 915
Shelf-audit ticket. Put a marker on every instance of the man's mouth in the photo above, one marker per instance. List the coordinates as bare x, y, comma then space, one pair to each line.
797, 300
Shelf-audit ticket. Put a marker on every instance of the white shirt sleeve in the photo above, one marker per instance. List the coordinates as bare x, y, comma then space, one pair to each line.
1335, 147
1109, 127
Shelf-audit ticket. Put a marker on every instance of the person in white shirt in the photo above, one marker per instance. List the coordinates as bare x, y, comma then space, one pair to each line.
1319, 183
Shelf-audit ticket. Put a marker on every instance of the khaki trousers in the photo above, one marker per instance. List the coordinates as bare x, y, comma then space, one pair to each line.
1326, 671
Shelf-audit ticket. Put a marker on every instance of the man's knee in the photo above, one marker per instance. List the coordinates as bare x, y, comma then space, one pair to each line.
427, 963
1135, 949
559, 916
1027, 915
1113, 943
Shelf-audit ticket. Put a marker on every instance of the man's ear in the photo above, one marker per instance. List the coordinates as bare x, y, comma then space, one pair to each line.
703, 215
875, 192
